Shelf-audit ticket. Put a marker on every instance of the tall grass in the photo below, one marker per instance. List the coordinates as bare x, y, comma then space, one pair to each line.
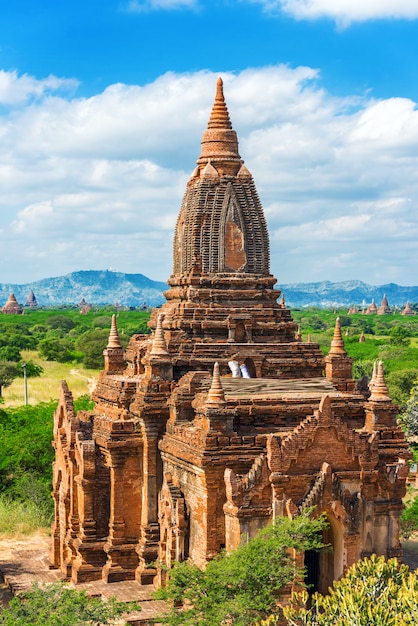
21, 518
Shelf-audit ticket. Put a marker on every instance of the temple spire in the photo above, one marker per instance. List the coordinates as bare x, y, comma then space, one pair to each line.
220, 141
219, 117
114, 339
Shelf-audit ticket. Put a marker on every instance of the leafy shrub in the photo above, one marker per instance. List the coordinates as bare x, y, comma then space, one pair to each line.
59, 605
409, 519
374, 592
243, 586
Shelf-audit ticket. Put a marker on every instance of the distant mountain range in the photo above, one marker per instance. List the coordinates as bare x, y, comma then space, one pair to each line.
96, 287
107, 287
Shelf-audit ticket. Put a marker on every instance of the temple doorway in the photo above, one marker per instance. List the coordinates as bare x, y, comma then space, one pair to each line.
325, 566
312, 570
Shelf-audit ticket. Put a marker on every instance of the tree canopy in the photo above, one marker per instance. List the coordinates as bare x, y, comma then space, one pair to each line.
58, 605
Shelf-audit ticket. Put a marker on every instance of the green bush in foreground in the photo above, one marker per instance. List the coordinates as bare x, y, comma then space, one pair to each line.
374, 592
58, 605
243, 586
409, 519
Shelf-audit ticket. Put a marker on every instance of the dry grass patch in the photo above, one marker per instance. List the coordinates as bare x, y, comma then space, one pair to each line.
47, 386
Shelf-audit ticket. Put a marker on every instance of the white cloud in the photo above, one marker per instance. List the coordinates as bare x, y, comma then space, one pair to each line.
33, 218
138, 6
16, 89
344, 12
89, 183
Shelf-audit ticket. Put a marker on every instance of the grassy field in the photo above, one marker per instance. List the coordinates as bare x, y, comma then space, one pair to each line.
47, 387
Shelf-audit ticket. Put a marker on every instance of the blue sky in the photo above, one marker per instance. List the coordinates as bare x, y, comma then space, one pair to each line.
103, 104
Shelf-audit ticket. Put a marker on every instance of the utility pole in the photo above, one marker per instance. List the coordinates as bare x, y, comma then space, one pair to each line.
25, 382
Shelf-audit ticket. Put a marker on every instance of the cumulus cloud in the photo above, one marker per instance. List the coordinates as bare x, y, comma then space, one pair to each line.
89, 183
16, 89
344, 12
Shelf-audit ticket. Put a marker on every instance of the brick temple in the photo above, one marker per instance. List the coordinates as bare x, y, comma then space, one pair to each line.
181, 456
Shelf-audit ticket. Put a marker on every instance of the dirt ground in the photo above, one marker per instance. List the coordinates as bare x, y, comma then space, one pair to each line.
24, 560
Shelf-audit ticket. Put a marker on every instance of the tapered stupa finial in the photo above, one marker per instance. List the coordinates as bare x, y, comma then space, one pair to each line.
337, 343
380, 392
220, 141
216, 393
114, 339
374, 374
159, 346
219, 117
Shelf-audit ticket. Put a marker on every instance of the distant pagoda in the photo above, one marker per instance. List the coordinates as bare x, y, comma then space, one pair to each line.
407, 310
372, 308
12, 307
31, 300
384, 308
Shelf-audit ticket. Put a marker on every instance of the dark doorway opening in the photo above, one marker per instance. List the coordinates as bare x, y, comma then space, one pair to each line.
312, 570
251, 367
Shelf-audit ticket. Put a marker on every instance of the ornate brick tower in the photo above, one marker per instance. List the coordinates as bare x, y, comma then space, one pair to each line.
175, 462
221, 289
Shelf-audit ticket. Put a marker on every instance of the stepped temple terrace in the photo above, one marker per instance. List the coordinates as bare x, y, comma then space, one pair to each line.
222, 419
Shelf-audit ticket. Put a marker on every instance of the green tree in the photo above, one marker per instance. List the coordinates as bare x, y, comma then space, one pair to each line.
409, 519
26, 433
399, 336
400, 384
243, 586
33, 370
409, 417
19, 338
58, 605
92, 344
374, 592
362, 368
10, 353
56, 349
103, 321
8, 372
60, 322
